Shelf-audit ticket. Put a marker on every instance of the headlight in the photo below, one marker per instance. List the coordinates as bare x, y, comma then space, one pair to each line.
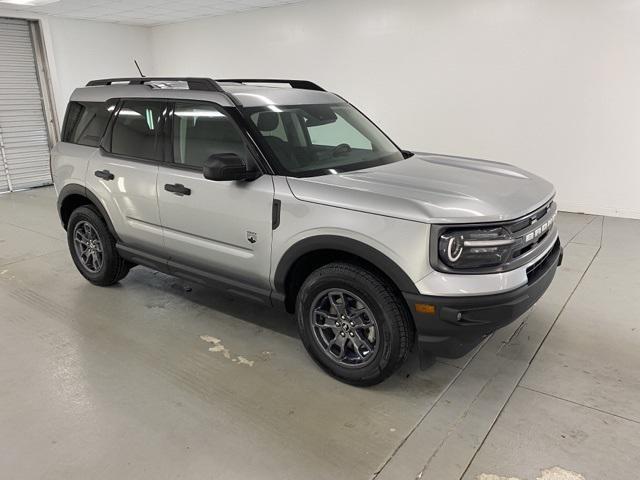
477, 248
461, 249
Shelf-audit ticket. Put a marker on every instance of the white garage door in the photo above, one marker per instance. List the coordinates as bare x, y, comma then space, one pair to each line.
24, 143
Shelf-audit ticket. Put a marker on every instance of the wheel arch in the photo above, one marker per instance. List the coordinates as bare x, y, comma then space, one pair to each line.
73, 196
311, 253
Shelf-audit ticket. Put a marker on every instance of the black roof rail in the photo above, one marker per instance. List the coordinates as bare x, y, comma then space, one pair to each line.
303, 84
194, 83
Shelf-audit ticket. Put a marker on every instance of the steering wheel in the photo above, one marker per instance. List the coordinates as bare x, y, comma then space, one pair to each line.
341, 149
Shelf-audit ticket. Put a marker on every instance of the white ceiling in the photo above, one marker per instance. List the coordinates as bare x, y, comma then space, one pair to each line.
141, 12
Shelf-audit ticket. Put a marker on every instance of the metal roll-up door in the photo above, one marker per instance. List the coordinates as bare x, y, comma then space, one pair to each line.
24, 149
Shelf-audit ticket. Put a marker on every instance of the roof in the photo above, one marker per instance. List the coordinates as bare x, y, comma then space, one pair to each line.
228, 93
255, 96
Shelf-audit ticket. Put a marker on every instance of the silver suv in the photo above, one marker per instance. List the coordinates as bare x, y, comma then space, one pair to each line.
286, 194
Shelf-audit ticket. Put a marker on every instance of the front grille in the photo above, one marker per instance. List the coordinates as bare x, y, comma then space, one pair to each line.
531, 246
532, 232
530, 219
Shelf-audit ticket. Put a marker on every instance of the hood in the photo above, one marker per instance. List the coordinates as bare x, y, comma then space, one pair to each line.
432, 189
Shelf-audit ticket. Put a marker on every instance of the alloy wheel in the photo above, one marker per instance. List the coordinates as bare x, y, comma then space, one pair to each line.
88, 246
344, 327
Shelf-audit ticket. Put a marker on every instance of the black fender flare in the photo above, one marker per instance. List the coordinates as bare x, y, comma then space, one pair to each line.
347, 245
77, 189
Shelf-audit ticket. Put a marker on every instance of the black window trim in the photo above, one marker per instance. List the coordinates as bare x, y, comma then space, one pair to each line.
107, 139
261, 152
257, 150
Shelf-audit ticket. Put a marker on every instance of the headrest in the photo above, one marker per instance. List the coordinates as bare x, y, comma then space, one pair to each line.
268, 121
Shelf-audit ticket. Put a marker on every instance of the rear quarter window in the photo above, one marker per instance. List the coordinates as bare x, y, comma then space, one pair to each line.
86, 122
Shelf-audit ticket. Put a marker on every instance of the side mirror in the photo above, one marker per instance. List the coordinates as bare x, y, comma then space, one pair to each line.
226, 166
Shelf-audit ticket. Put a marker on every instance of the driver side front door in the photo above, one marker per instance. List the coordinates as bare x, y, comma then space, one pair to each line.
220, 231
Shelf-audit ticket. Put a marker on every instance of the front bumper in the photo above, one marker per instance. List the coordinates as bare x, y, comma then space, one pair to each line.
454, 325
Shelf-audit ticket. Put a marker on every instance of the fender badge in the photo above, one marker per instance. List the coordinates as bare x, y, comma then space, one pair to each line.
252, 237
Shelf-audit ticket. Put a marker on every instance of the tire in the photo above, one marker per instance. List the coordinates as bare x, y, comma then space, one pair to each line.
382, 340
109, 267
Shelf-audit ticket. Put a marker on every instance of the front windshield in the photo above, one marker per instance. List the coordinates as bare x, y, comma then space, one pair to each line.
320, 139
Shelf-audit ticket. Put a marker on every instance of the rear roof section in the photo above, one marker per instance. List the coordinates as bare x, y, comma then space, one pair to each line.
247, 93
262, 95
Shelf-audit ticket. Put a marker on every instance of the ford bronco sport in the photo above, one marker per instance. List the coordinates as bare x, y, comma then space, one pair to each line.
286, 194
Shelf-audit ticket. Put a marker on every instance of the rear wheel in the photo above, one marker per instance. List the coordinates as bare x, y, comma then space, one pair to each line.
353, 324
93, 248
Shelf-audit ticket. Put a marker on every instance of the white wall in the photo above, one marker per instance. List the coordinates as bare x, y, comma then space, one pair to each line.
552, 86
85, 50
80, 50
549, 85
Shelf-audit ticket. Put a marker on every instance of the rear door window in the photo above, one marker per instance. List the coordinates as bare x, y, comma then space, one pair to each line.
137, 130
86, 122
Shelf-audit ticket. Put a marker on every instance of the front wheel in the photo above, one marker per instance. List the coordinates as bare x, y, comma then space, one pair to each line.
353, 324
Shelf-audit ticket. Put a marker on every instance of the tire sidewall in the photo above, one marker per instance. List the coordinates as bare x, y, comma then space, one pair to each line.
90, 216
389, 343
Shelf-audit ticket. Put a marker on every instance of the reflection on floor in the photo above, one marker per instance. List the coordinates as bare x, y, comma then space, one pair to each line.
155, 378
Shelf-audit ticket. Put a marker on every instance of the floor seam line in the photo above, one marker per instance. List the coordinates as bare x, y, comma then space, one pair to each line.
415, 427
564, 306
395, 451
584, 228
3, 265
450, 431
495, 420
551, 395
32, 231
544, 339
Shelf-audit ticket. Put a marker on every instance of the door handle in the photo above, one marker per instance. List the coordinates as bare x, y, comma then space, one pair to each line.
177, 188
104, 174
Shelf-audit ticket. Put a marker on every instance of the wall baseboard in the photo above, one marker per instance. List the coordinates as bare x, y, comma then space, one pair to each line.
598, 210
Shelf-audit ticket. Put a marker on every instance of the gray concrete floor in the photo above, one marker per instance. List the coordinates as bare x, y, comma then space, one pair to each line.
107, 383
